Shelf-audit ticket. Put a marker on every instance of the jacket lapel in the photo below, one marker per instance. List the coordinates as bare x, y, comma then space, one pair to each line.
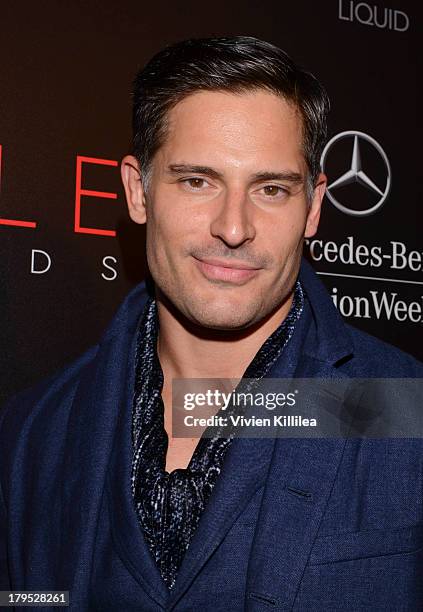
298, 486
102, 392
245, 470
302, 472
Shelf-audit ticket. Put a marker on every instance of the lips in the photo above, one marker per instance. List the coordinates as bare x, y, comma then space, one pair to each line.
227, 271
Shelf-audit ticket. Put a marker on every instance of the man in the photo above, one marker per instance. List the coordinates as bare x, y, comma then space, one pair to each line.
98, 497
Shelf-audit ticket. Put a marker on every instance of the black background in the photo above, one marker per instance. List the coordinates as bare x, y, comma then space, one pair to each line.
65, 82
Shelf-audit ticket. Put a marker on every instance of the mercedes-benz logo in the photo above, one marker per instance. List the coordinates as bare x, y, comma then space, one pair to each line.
356, 174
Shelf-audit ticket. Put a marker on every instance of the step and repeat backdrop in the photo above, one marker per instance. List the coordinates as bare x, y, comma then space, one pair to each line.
69, 253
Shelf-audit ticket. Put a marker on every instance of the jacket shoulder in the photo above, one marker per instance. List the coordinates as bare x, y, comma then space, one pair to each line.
373, 357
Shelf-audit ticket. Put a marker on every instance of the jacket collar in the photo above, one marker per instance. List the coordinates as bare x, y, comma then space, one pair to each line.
329, 339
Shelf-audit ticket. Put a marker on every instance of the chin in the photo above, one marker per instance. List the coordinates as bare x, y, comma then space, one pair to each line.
223, 324
223, 316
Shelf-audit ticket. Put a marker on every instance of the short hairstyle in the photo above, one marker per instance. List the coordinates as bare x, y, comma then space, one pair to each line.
235, 65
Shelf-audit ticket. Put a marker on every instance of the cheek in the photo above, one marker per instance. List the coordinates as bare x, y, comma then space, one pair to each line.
168, 231
284, 238
162, 223
176, 224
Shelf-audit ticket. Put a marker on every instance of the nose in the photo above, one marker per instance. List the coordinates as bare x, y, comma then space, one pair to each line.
233, 221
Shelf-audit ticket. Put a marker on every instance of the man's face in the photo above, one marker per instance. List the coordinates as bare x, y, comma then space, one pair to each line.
226, 207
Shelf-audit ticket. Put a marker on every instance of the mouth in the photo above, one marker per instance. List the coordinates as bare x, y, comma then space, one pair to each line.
235, 272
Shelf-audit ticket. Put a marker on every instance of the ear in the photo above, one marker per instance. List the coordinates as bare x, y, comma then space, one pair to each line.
313, 216
134, 191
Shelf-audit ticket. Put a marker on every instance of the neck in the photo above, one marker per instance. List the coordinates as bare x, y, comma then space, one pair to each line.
189, 351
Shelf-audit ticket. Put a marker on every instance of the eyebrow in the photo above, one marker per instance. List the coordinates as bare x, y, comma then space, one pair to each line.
285, 175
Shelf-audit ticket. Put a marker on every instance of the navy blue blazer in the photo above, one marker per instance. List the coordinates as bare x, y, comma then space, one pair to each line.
292, 524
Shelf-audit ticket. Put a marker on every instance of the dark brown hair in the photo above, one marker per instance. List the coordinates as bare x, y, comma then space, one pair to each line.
234, 65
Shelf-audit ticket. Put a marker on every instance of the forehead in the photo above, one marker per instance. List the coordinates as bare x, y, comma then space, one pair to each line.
242, 128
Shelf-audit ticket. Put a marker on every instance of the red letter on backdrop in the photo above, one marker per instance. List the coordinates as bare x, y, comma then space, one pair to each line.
13, 221
87, 192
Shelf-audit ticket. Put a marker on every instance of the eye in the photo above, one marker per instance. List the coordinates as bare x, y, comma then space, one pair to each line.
274, 191
194, 183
